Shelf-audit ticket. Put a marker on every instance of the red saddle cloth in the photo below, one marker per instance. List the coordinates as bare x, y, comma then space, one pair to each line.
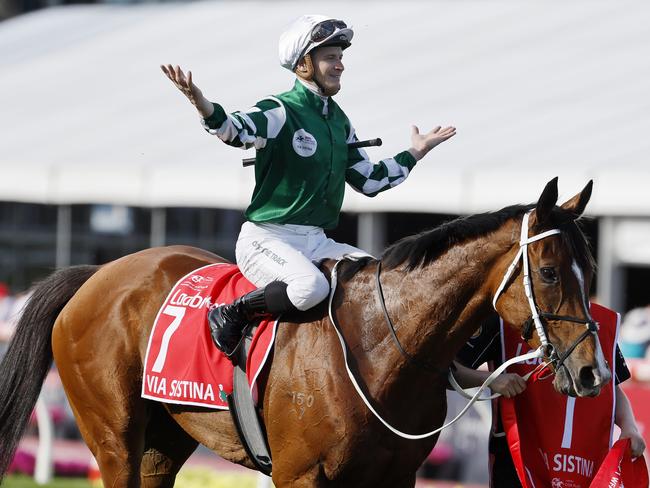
182, 364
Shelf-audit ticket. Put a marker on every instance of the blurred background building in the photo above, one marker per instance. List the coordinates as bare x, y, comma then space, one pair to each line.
101, 156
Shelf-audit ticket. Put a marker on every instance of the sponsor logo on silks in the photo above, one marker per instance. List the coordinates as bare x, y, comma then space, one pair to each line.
304, 143
222, 394
557, 483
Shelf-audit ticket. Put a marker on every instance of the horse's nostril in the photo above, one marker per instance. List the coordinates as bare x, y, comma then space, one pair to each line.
587, 378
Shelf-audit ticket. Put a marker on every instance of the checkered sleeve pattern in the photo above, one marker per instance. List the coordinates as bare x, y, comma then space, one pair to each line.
372, 178
246, 129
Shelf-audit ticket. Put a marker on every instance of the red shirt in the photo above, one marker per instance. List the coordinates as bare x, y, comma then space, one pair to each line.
556, 440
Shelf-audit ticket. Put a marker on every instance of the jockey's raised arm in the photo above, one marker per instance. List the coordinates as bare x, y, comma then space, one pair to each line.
185, 84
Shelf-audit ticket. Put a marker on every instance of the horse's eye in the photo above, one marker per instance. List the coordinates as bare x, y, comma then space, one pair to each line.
548, 275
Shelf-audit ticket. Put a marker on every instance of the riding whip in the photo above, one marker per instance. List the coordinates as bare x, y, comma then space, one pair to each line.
353, 145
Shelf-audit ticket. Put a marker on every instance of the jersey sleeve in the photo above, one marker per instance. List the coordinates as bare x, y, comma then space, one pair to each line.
372, 178
622, 372
483, 346
254, 127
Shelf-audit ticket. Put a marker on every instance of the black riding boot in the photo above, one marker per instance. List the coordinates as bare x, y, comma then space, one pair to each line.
227, 322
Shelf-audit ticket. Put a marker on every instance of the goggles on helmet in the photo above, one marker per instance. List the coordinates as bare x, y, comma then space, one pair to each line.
322, 31
325, 29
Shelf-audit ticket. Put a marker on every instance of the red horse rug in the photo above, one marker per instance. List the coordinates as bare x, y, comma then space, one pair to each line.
182, 364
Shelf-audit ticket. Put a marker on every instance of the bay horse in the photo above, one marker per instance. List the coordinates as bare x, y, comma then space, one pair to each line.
94, 321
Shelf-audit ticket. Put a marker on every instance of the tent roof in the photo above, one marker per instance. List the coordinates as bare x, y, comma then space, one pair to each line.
536, 90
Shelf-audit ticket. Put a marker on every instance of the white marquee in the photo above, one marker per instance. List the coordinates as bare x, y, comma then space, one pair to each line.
536, 89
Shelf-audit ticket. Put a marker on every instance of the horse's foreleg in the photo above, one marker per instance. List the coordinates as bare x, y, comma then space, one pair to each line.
167, 447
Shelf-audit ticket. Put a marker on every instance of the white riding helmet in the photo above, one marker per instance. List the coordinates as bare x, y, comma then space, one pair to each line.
309, 32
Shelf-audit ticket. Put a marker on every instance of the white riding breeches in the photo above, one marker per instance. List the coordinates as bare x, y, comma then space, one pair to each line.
286, 252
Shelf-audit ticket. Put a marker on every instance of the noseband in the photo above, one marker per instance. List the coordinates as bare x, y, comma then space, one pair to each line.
554, 357
536, 316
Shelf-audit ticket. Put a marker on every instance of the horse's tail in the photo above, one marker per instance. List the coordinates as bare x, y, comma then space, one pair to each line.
28, 359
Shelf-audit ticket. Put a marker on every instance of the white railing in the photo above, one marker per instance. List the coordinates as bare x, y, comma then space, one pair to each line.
44, 455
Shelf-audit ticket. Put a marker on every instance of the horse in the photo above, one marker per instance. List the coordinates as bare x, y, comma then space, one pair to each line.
437, 287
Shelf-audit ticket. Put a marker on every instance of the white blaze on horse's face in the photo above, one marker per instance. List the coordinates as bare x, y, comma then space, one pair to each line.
601, 373
581, 283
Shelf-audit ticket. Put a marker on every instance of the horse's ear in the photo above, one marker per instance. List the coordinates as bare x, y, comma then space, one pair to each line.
576, 206
546, 201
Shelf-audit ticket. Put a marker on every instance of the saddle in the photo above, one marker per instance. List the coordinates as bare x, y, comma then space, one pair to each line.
183, 366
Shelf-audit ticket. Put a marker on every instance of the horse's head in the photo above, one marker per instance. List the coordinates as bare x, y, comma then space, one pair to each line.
545, 292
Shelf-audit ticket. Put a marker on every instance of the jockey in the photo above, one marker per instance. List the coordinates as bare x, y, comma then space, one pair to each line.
301, 167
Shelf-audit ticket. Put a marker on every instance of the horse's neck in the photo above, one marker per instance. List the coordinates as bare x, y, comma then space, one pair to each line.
437, 307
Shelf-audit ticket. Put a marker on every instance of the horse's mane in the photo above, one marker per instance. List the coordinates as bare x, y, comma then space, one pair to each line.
423, 248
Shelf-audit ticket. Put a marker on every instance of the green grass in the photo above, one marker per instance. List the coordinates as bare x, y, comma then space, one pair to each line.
18, 481
187, 478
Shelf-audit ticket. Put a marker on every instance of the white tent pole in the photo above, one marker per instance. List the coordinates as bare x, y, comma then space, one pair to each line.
158, 226
611, 282
371, 233
43, 470
63, 235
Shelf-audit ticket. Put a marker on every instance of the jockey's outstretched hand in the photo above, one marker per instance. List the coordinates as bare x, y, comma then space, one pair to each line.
508, 384
184, 83
421, 144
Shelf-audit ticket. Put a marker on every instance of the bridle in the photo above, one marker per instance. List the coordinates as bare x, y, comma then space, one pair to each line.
546, 348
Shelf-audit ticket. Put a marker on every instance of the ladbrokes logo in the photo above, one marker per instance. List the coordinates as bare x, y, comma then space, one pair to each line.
192, 301
198, 282
304, 143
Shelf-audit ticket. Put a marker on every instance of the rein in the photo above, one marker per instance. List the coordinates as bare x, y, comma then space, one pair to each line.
334, 281
404, 435
421, 364
535, 319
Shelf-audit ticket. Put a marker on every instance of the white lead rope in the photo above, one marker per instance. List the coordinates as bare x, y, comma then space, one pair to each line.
537, 353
